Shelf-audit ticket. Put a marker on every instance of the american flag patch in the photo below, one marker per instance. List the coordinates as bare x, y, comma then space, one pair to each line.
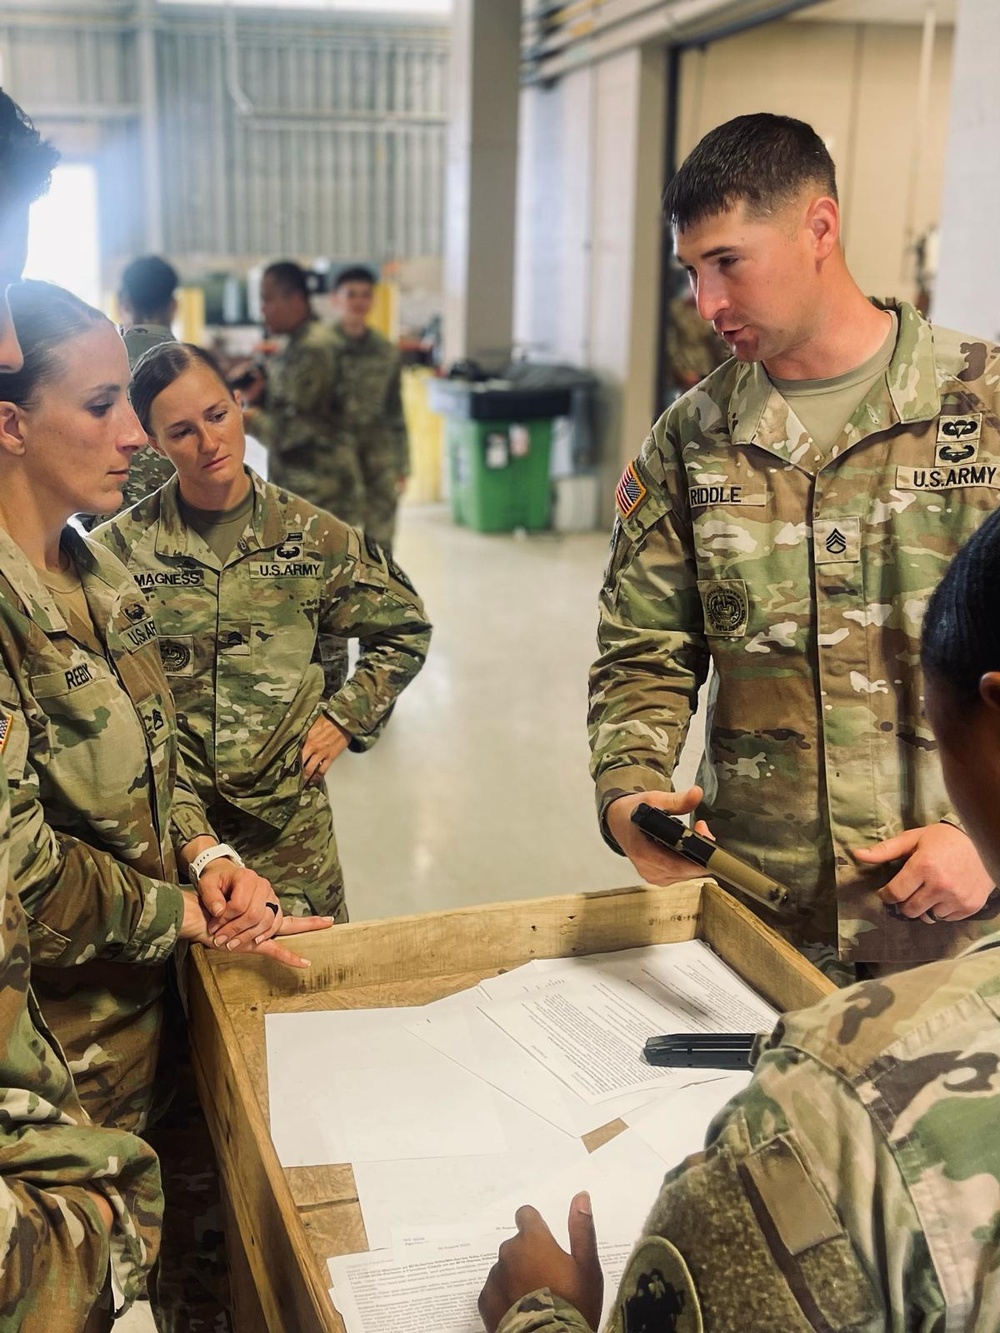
630, 492
6, 722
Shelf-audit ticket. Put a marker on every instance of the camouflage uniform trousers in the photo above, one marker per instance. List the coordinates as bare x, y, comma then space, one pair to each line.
300, 860
330, 479
149, 1089
380, 470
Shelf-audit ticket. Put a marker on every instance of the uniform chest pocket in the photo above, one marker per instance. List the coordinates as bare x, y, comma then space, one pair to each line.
98, 742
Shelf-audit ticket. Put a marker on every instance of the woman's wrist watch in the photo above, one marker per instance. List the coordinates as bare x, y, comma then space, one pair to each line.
212, 854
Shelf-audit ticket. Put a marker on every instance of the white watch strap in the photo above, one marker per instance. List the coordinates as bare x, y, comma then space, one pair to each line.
211, 854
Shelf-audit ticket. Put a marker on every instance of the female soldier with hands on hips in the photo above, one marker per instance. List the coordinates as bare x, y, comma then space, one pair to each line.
254, 592
103, 819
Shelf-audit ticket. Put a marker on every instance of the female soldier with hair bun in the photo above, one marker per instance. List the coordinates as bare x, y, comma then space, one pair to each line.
255, 592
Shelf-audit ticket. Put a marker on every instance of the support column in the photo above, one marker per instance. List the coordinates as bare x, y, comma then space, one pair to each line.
967, 291
145, 43
481, 180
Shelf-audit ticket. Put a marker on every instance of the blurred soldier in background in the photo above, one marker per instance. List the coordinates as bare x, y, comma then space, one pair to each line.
148, 305
373, 403
297, 410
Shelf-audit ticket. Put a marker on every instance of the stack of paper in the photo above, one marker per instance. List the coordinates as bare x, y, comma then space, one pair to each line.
455, 1113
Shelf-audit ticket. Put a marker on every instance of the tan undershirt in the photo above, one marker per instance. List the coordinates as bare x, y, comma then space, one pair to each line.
219, 529
68, 595
826, 406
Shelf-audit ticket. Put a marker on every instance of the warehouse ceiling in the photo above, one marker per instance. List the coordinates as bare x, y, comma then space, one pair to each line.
879, 11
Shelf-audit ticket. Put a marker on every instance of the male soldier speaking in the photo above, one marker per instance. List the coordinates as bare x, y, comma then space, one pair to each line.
786, 520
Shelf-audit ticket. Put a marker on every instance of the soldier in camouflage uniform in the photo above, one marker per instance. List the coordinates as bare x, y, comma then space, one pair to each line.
797, 559
371, 372
148, 305
102, 816
300, 416
72, 1196
252, 630
853, 1185
693, 348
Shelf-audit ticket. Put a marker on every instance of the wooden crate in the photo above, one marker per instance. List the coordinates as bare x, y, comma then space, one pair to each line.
284, 1222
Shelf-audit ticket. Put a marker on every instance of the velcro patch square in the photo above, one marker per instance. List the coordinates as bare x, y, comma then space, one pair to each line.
836, 540
726, 607
630, 492
960, 430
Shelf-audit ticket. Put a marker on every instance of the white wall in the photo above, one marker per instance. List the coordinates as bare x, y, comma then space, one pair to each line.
591, 154
968, 287
858, 85
590, 175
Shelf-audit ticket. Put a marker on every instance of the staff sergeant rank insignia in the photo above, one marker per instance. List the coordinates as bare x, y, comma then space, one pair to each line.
630, 492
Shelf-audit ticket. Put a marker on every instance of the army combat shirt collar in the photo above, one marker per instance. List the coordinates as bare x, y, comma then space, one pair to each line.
264, 528
42, 606
909, 392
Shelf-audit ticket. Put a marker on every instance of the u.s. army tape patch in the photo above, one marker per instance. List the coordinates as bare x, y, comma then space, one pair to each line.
630, 492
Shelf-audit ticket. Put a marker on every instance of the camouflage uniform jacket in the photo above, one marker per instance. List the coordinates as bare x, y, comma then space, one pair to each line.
254, 649
98, 808
803, 578
853, 1186
371, 371
301, 424
693, 348
54, 1249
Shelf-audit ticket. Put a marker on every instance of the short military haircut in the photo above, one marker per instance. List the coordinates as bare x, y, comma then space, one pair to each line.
356, 273
762, 161
148, 284
960, 639
26, 159
289, 276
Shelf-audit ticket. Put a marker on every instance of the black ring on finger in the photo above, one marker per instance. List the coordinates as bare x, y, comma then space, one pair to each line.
273, 907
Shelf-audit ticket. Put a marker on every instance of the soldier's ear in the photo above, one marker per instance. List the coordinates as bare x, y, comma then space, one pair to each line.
11, 429
989, 690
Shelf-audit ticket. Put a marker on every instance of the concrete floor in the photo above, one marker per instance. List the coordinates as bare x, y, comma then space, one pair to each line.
478, 789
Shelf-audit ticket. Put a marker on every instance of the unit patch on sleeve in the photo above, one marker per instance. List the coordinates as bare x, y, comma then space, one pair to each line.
726, 607
177, 655
630, 492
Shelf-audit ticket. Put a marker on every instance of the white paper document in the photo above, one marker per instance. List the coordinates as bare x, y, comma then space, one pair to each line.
675, 1124
623, 1179
589, 1031
474, 1041
353, 1085
433, 1192
427, 1289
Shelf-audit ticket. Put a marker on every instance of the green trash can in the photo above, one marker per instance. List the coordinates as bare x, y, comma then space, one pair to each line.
499, 444
499, 473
